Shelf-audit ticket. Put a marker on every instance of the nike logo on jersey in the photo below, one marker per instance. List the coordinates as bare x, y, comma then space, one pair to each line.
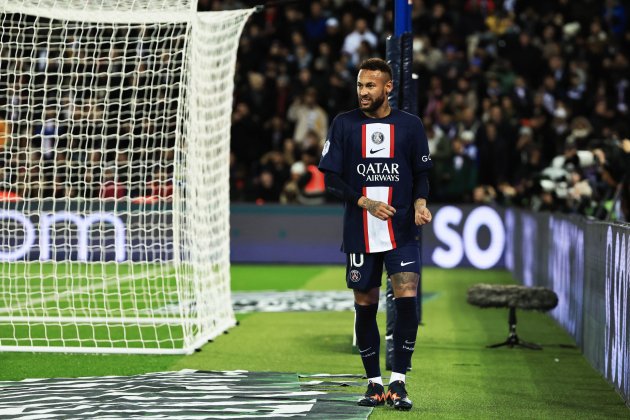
402, 263
363, 351
372, 151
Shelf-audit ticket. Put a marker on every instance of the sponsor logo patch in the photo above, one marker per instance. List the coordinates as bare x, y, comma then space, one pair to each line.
379, 171
326, 147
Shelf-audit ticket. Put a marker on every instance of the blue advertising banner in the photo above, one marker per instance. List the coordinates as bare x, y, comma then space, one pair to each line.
91, 230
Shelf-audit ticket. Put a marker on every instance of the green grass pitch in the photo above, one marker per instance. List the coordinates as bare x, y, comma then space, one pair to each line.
454, 375
83, 290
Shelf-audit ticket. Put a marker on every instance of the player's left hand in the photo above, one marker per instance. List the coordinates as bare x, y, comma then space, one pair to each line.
423, 216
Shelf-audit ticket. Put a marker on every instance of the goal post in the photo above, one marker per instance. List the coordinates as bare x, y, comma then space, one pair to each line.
114, 191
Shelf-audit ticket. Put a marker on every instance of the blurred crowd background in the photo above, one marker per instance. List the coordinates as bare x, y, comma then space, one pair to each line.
524, 102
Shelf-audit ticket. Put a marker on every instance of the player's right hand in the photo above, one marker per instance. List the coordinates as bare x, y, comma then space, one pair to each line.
382, 210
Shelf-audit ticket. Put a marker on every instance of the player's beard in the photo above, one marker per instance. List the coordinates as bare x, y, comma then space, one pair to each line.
375, 104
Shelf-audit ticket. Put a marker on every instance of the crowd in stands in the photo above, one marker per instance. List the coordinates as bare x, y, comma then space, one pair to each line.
86, 113
523, 102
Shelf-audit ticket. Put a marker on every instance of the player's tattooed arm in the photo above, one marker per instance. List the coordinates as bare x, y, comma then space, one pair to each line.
422, 213
377, 209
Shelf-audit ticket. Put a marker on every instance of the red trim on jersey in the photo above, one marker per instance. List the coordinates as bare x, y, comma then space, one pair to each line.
389, 221
363, 152
391, 144
365, 212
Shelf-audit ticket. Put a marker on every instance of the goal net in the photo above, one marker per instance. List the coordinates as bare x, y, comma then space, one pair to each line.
114, 167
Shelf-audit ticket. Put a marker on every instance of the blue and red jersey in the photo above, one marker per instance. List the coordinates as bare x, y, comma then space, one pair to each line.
381, 158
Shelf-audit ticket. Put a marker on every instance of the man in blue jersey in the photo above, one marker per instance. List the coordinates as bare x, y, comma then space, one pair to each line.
376, 159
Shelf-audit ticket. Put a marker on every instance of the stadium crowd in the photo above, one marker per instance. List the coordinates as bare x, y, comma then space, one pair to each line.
524, 102
94, 119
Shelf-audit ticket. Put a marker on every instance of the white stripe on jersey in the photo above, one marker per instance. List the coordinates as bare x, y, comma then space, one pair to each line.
378, 234
378, 142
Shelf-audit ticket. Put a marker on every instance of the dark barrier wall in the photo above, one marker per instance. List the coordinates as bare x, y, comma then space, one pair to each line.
548, 251
464, 236
587, 263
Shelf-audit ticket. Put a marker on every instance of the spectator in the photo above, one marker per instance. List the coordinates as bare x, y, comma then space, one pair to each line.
529, 158
468, 122
493, 153
527, 58
111, 188
315, 25
352, 42
290, 152
4, 133
244, 133
266, 189
275, 131
275, 163
439, 144
334, 36
161, 186
49, 139
291, 189
308, 115
484, 194
457, 175
579, 191
581, 132
522, 97
238, 180
311, 186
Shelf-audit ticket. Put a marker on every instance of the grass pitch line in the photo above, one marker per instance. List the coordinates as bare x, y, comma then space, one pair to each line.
104, 284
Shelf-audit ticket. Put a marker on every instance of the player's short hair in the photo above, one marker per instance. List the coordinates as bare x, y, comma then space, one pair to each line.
374, 64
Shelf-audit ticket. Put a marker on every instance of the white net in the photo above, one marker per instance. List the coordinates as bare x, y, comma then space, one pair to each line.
43, 7
114, 155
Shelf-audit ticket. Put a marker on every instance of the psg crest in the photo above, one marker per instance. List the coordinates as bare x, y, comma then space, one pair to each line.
377, 137
355, 276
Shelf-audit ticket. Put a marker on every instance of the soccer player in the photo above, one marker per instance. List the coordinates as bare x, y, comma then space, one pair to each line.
376, 159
